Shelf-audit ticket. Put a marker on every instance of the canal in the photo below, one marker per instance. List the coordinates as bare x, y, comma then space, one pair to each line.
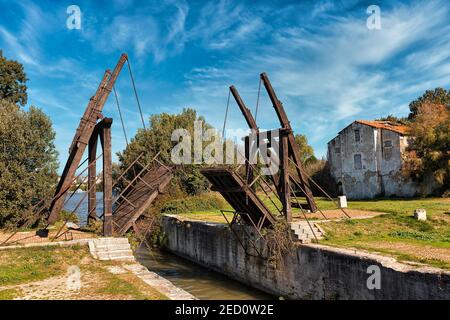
197, 280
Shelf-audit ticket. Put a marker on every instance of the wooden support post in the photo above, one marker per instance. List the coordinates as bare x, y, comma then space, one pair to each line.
92, 177
284, 168
293, 148
249, 158
105, 137
82, 136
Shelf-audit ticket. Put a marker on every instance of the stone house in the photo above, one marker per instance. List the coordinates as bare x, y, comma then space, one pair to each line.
366, 159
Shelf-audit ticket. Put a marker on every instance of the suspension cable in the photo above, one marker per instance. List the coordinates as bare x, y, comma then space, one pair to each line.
226, 115
120, 114
257, 99
135, 93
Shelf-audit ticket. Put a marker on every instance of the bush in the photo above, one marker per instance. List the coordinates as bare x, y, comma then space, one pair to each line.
203, 202
68, 216
191, 180
319, 171
28, 161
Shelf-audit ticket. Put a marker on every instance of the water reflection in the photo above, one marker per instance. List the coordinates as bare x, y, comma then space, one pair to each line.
201, 282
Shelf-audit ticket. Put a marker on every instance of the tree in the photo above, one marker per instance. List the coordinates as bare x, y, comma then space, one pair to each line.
157, 138
430, 147
28, 160
12, 81
438, 96
394, 119
306, 151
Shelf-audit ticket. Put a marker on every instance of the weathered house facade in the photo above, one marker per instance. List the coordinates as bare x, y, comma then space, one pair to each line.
366, 159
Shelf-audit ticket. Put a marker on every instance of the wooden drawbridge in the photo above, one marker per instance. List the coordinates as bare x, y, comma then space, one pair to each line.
138, 195
240, 196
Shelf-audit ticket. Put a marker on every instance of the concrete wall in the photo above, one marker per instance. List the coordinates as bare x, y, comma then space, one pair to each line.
380, 173
312, 272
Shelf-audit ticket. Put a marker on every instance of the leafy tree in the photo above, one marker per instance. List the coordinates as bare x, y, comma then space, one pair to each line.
157, 138
12, 81
430, 147
394, 119
438, 96
28, 160
306, 151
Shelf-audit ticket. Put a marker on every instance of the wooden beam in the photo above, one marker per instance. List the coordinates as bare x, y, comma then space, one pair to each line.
284, 168
82, 136
105, 137
245, 111
92, 178
294, 152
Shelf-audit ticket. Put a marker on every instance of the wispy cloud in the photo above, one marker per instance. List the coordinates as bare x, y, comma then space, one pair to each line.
225, 24
326, 66
331, 74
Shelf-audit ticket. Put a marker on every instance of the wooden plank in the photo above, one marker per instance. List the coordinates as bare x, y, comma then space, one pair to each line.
107, 177
293, 148
92, 178
245, 200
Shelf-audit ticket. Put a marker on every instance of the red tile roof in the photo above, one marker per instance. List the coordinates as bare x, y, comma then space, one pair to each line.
387, 125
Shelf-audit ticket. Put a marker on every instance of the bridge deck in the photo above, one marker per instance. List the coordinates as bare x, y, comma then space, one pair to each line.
242, 198
140, 197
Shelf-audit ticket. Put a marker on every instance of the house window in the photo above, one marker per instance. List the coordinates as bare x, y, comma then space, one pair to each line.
358, 162
357, 136
388, 144
337, 150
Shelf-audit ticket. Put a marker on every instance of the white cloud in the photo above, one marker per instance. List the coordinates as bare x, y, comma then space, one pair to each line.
225, 24
329, 75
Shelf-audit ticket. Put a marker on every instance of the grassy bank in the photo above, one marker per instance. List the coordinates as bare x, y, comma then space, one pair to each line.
396, 233
42, 273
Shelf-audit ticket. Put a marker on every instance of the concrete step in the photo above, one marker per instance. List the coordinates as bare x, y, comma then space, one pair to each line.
305, 233
308, 230
111, 249
118, 258
116, 252
107, 241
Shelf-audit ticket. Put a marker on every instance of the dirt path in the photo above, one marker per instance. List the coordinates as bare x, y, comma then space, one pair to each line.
21, 238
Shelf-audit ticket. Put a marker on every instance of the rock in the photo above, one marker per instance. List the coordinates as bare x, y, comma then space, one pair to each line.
73, 226
342, 201
420, 214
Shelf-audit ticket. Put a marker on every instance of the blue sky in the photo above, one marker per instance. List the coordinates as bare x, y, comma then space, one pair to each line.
327, 67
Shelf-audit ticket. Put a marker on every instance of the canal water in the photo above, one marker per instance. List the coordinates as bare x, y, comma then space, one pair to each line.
199, 281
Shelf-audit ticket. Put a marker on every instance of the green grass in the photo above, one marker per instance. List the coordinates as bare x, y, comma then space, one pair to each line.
28, 265
34, 264
399, 225
397, 234
117, 286
9, 294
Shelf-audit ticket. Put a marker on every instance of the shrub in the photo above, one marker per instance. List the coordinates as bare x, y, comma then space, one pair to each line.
319, 171
203, 202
